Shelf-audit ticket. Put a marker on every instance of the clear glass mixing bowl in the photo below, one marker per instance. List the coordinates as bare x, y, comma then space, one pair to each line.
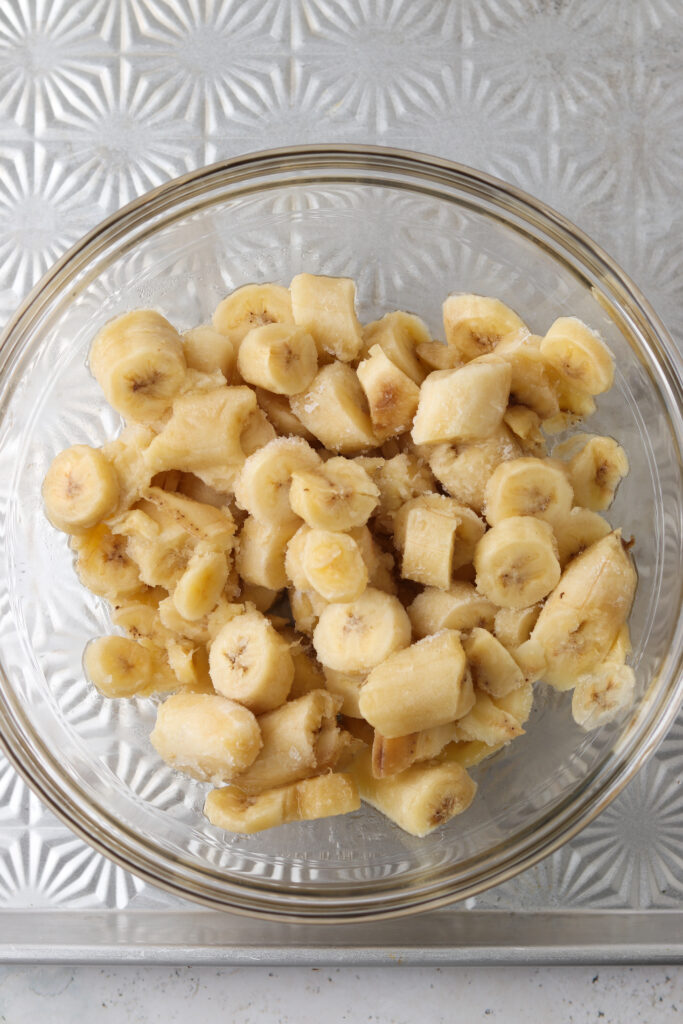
409, 229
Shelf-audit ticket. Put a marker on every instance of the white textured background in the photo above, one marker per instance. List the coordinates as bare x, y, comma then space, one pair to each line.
579, 102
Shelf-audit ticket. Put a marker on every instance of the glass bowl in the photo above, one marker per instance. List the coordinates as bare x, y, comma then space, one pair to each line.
409, 229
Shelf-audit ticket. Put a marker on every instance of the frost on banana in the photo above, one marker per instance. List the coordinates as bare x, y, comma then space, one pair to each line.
421, 798
582, 617
231, 809
466, 404
334, 409
325, 307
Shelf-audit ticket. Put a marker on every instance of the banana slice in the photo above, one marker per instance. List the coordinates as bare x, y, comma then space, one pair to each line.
416, 688
256, 433
138, 361
334, 566
468, 753
512, 626
517, 703
525, 425
80, 489
460, 607
264, 484
528, 487
391, 756
421, 798
261, 553
578, 531
488, 723
199, 631
493, 669
203, 436
582, 617
121, 667
250, 663
279, 413
322, 797
103, 565
333, 408
281, 358
531, 384
207, 350
306, 606
127, 456
608, 689
346, 685
476, 324
399, 335
575, 405
596, 470
437, 356
338, 495
356, 636
391, 394
468, 529
516, 562
399, 479
198, 589
579, 355
464, 469
206, 736
428, 546
326, 308
462, 405
253, 305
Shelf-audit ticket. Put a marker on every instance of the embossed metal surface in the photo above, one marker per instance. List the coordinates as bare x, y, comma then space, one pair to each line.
577, 102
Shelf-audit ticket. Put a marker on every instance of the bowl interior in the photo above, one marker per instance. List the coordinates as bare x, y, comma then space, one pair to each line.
407, 243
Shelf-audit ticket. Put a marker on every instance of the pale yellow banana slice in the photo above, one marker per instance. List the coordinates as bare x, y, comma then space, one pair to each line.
281, 358
399, 479
399, 335
516, 562
260, 558
338, 495
460, 607
529, 487
296, 742
322, 797
421, 798
582, 617
103, 564
326, 308
602, 695
512, 626
357, 635
333, 408
575, 405
525, 424
334, 566
428, 547
199, 631
532, 379
294, 559
581, 528
206, 736
517, 703
126, 455
391, 394
416, 688
138, 361
596, 470
462, 405
253, 305
476, 324
198, 589
138, 615
207, 350
121, 667
468, 530
256, 433
579, 354
203, 436
346, 685
488, 723
464, 469
279, 413
393, 755
263, 486
306, 607
435, 355
250, 663
493, 668
468, 753
80, 489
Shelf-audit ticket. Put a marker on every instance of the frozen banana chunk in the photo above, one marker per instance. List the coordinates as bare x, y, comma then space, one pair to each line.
252, 305
488, 723
261, 552
264, 483
357, 635
469, 529
306, 606
250, 663
421, 798
579, 355
460, 607
391, 395
231, 809
428, 546
399, 335
476, 324
516, 562
334, 409
206, 736
464, 469
416, 688
80, 489
606, 691
391, 756
279, 413
466, 404
103, 565
581, 528
399, 479
595, 470
437, 356
512, 626
281, 358
582, 617
346, 685
138, 361
528, 487
326, 308
121, 667
333, 565
493, 669
532, 381
207, 350
336, 495
202, 583
256, 432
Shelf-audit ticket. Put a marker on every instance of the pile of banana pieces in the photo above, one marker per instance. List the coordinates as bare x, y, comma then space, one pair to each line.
342, 553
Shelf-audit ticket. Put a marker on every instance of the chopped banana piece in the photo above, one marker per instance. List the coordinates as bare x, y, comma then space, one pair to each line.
253, 305
357, 635
462, 405
250, 663
476, 324
207, 350
460, 607
278, 357
325, 306
579, 355
264, 483
80, 489
399, 335
120, 667
516, 562
528, 487
334, 409
337, 495
322, 797
492, 667
391, 394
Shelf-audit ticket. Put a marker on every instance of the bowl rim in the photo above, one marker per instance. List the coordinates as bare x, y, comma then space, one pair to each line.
310, 904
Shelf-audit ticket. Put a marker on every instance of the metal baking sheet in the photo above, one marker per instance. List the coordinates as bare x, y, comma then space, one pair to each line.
572, 100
